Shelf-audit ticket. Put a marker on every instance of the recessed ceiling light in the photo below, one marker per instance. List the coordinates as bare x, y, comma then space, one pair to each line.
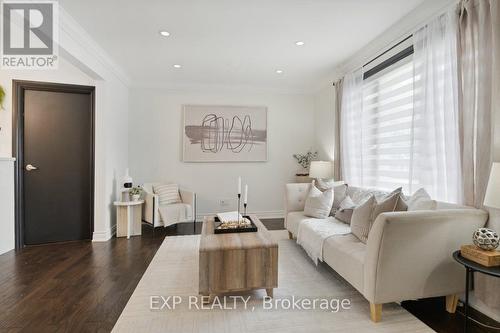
279, 71
177, 66
299, 43
164, 33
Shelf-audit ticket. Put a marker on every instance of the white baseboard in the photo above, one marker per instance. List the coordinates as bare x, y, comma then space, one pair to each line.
278, 214
104, 236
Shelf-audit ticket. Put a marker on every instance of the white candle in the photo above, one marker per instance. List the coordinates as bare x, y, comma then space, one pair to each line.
245, 200
239, 185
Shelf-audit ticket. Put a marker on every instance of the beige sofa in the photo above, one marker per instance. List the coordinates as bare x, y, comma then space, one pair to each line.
408, 254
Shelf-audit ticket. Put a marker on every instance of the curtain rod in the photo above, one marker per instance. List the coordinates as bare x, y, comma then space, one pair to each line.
389, 49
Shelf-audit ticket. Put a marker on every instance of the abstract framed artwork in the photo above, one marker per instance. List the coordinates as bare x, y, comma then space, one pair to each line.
223, 133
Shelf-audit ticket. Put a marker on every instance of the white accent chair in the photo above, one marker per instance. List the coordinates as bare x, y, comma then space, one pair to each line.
183, 212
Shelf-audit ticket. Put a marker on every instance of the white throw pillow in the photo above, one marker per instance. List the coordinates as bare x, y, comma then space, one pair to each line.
339, 191
421, 200
167, 193
318, 204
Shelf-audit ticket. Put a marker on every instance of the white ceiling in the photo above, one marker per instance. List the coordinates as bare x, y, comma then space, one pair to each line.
234, 42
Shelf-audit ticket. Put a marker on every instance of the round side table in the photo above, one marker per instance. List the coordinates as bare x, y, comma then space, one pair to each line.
470, 268
128, 213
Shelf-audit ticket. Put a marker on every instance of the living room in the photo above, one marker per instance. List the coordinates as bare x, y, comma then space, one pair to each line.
265, 166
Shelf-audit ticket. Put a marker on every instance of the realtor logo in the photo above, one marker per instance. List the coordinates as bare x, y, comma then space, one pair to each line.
29, 34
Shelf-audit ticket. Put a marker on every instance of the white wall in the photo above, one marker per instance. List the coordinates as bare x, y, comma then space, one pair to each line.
155, 147
325, 123
6, 204
84, 62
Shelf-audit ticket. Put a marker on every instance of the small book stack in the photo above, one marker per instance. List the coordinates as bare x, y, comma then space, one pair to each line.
485, 258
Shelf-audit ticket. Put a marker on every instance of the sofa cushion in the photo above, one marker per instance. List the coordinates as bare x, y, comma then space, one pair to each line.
339, 191
421, 200
346, 255
318, 204
293, 220
344, 213
361, 219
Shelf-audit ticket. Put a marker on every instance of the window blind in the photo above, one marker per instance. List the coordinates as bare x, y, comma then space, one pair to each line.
387, 127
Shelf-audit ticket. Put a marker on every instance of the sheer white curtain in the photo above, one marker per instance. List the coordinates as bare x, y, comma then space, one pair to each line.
400, 127
435, 157
351, 132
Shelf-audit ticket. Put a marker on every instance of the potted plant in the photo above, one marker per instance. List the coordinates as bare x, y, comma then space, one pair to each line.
304, 161
135, 193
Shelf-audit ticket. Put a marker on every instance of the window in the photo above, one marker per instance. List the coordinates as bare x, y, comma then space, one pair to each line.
387, 126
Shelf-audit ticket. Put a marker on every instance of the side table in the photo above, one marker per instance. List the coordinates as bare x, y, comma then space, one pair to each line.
470, 268
128, 218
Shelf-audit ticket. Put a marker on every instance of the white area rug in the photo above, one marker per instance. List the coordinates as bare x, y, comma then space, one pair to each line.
174, 271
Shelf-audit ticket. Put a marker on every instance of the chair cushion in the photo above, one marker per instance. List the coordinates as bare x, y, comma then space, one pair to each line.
167, 193
175, 213
346, 255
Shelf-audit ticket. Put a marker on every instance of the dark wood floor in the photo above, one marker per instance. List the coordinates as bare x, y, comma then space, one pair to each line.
84, 286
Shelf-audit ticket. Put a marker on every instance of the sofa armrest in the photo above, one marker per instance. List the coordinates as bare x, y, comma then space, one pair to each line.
409, 254
189, 197
295, 197
150, 208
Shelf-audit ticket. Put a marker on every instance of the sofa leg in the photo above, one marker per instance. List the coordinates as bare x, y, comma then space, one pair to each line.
451, 303
375, 312
290, 235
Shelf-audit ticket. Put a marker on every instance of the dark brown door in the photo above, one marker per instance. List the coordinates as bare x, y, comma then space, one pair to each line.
57, 143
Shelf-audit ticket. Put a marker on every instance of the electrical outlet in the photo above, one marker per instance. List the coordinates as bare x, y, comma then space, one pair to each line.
223, 202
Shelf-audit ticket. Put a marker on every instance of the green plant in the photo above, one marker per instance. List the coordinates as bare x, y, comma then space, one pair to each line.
137, 190
2, 97
304, 160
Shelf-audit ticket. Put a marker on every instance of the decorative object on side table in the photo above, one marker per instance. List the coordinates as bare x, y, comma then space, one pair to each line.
135, 193
304, 161
486, 239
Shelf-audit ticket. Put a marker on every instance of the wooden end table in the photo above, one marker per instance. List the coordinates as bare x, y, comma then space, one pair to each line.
237, 261
128, 218
470, 268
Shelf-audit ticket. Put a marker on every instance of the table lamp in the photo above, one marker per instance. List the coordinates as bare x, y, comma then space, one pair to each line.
321, 169
492, 197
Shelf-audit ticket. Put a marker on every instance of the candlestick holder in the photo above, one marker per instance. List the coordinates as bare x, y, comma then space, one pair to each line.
239, 204
244, 209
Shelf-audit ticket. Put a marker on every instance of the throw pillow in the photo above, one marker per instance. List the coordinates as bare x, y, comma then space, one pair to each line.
339, 191
167, 194
318, 204
360, 220
346, 208
384, 206
421, 200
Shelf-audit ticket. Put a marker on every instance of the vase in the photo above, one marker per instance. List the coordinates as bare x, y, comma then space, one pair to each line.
135, 197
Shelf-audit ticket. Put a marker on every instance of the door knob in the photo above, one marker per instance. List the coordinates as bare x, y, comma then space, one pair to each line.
30, 167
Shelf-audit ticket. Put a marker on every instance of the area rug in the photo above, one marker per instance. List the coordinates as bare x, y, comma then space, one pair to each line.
172, 277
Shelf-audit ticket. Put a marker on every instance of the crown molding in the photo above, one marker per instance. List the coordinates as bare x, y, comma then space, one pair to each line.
70, 29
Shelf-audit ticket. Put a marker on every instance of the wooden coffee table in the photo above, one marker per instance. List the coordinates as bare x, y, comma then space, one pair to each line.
237, 261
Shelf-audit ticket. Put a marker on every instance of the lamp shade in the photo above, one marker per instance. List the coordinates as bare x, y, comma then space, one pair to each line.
492, 197
321, 169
